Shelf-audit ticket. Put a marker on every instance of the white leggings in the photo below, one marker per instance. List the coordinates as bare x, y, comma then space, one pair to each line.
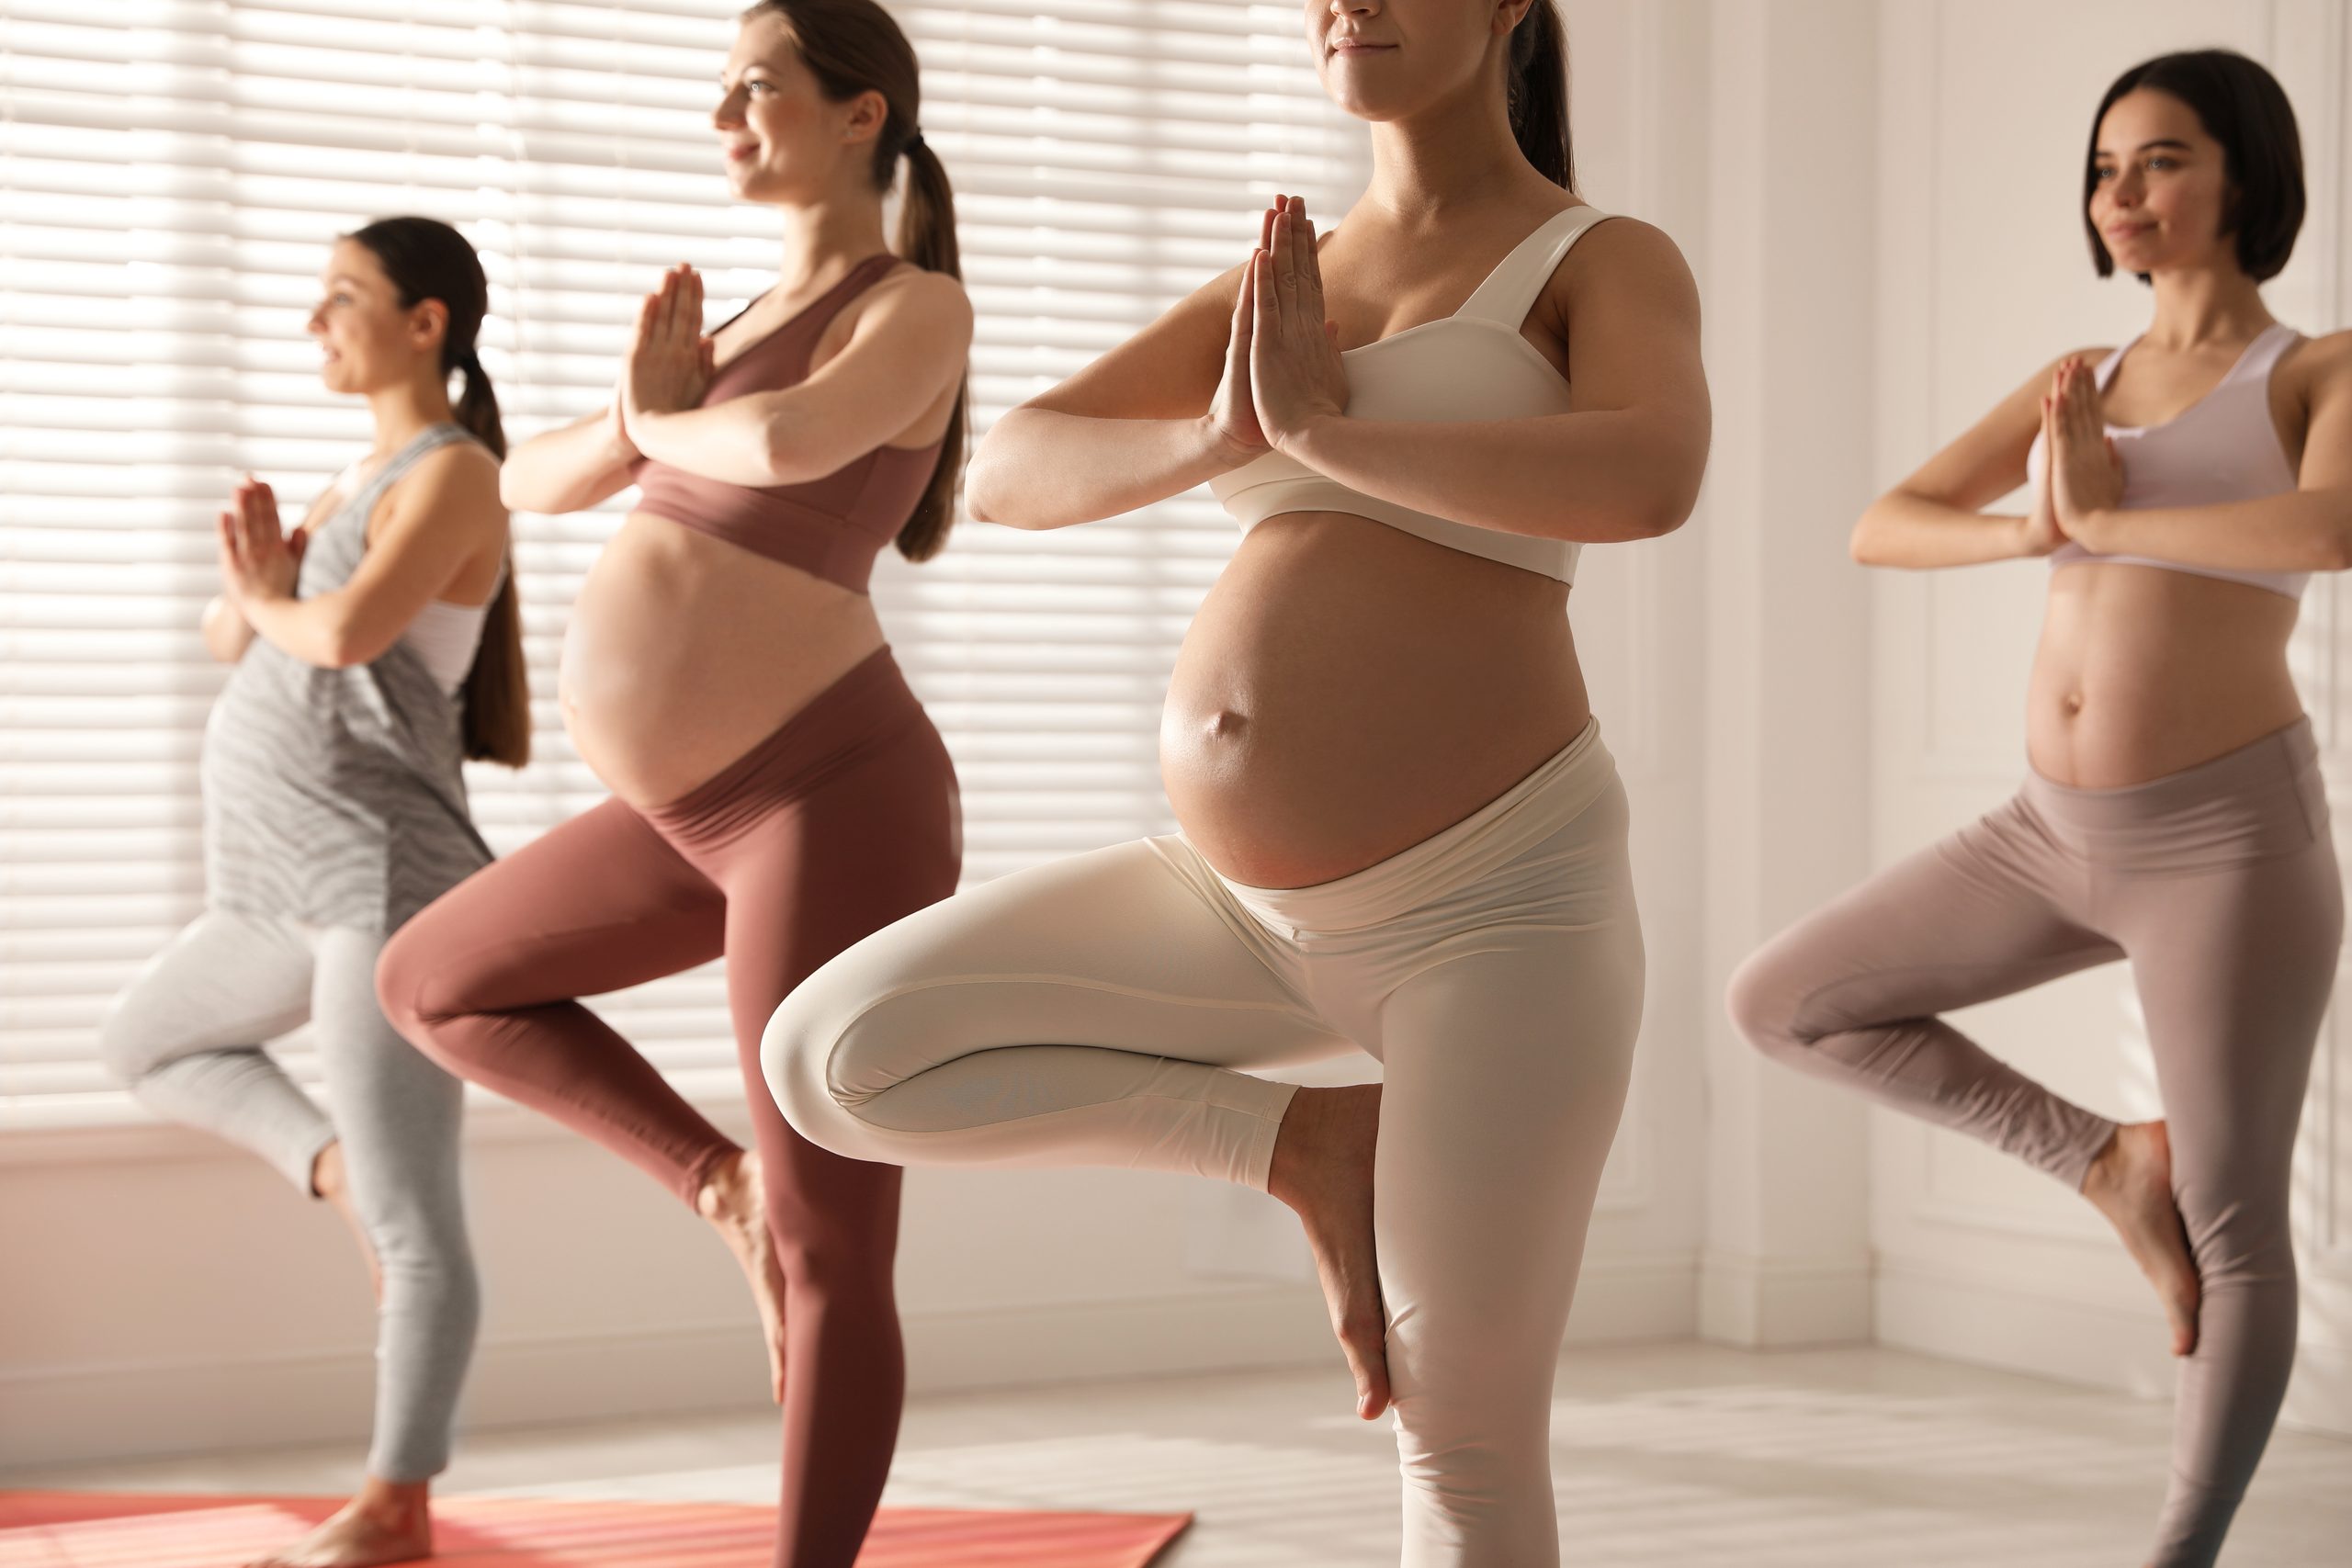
1108, 1009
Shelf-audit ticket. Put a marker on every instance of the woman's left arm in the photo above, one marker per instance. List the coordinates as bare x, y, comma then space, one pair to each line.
2308, 528
443, 515
909, 345
1623, 463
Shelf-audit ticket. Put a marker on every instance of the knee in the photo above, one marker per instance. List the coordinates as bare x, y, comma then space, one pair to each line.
420, 985
125, 1045
1763, 1001
797, 1052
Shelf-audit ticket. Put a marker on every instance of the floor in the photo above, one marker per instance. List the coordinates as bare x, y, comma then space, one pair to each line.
1665, 1456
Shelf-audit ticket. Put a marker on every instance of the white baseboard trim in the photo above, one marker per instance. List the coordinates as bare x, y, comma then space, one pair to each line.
96, 1412
1772, 1303
2019, 1326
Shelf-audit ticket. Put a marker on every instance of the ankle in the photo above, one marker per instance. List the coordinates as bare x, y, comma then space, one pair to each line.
326, 1171
720, 1196
395, 1503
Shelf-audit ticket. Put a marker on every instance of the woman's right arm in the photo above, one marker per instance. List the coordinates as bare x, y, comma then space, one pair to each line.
1155, 416
569, 468
1932, 519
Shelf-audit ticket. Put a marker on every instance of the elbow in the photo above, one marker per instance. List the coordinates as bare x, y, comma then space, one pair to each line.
343, 643
2335, 549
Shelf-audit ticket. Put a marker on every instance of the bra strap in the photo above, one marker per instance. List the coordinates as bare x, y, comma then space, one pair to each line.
1510, 290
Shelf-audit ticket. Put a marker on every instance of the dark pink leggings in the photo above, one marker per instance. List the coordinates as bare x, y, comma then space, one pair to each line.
2219, 885
840, 822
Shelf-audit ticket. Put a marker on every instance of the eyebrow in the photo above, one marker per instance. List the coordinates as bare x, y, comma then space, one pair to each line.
2144, 146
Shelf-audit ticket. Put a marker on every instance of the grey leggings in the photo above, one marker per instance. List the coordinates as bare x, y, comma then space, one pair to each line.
2220, 884
187, 1037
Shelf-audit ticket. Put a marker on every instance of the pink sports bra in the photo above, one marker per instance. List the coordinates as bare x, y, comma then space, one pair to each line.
2224, 446
830, 527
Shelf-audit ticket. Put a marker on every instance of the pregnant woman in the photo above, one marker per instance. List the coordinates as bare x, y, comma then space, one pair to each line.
1401, 831
2183, 486
777, 791
376, 647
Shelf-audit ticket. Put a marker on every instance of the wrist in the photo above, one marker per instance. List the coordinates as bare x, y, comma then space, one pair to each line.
1221, 448
1308, 435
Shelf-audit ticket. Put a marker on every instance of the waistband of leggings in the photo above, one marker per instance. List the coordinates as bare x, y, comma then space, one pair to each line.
868, 706
1515, 822
2270, 765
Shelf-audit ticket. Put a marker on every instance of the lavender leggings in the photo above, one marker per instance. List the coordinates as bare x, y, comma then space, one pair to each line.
2220, 884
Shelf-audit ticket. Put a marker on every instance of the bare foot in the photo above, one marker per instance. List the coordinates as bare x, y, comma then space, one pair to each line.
388, 1522
730, 1200
2130, 1184
329, 1180
1322, 1169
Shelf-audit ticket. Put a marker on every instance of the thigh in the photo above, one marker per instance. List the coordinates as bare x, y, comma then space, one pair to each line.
1995, 908
397, 1113
226, 980
596, 905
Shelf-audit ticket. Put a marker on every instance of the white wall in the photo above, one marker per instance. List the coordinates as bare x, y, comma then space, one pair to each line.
1984, 108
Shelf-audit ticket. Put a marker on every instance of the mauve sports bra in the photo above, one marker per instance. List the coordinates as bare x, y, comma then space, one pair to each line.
2224, 446
1472, 365
830, 527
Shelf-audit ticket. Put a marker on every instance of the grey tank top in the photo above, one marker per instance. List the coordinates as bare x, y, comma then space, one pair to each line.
337, 796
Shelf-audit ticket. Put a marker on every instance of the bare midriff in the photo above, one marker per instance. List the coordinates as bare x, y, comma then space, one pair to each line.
684, 652
1349, 690
2142, 671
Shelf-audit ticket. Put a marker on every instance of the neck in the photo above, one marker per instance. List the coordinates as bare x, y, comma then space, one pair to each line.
1453, 155
824, 240
2201, 306
405, 411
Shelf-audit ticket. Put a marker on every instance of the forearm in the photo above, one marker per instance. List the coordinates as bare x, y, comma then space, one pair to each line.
1039, 468
316, 631
226, 633
1593, 478
568, 468
738, 442
1911, 531
2299, 531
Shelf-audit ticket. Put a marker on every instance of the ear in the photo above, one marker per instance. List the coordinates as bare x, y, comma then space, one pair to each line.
428, 323
1509, 14
867, 114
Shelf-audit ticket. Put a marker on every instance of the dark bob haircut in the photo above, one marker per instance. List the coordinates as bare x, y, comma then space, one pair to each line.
2243, 107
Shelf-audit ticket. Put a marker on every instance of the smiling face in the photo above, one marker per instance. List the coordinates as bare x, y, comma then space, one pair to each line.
2160, 192
1387, 58
782, 140
366, 338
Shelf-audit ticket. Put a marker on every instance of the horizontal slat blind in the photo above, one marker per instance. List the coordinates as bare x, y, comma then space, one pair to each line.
170, 173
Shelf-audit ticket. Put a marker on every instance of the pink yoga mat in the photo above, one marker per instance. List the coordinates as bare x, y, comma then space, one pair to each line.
95, 1529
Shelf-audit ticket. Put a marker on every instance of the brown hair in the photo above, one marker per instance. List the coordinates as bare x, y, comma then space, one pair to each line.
1538, 94
426, 259
2241, 107
852, 47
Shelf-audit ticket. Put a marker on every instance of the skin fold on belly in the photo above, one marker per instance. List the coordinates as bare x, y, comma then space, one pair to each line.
683, 652
2142, 671
1348, 690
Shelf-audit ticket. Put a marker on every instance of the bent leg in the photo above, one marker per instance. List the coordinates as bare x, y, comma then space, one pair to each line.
484, 980
1852, 992
186, 1036
398, 1118
1087, 1012
2234, 969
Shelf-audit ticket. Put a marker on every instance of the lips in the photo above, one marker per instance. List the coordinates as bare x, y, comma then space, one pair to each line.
1359, 46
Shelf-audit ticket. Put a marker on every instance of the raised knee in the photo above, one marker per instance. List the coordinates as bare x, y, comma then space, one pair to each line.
796, 1051
124, 1049
1762, 1002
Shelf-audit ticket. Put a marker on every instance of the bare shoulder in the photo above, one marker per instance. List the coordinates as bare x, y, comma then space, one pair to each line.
452, 488
2322, 364
921, 297
1625, 258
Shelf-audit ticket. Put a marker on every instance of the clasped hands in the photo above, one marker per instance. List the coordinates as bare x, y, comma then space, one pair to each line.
1283, 371
2082, 477
669, 364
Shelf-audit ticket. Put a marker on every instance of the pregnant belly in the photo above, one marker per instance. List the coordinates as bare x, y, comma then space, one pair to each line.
683, 652
1348, 690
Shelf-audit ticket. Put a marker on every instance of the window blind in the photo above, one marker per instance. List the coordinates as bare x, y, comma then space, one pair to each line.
171, 174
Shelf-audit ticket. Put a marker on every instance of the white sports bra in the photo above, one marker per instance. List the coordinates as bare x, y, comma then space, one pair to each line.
1472, 365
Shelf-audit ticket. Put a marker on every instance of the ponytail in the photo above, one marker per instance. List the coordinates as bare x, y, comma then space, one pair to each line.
1538, 94
927, 238
427, 259
852, 47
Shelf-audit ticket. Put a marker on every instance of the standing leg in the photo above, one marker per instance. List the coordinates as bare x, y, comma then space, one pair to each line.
1851, 993
186, 1035
817, 873
2234, 969
1506, 1060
